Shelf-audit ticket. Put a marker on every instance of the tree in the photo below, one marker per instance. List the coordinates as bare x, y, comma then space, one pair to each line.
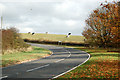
103, 26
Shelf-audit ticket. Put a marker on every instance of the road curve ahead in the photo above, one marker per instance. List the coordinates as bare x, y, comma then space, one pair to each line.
60, 62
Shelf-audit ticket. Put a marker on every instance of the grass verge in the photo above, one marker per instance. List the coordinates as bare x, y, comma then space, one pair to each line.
20, 57
101, 65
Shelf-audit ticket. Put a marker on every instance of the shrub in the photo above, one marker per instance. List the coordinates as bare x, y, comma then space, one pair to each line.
12, 40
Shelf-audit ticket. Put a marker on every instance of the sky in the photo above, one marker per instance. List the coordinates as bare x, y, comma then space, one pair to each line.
52, 16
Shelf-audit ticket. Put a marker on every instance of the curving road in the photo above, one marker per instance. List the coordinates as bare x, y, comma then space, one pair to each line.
60, 62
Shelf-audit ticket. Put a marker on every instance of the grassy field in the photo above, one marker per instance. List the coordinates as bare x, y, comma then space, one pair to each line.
102, 64
20, 57
53, 37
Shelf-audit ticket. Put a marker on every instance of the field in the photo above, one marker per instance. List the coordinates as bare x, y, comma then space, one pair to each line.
102, 64
20, 57
53, 37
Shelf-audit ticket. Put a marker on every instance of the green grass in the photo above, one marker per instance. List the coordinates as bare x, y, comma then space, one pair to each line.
19, 57
102, 64
53, 37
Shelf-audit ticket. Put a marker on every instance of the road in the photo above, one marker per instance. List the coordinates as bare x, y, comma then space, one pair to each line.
60, 62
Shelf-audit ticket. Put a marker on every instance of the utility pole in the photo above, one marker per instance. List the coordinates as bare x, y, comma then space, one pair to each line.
1, 35
1, 22
1, 51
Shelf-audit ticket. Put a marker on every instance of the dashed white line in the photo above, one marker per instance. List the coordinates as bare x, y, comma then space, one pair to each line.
64, 58
3, 77
37, 68
59, 60
68, 52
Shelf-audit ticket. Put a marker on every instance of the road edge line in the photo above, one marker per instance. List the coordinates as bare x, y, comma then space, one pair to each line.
72, 68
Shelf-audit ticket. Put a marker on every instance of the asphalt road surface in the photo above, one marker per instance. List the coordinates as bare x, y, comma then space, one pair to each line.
60, 62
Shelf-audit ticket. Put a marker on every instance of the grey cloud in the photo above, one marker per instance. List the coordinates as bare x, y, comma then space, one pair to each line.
54, 17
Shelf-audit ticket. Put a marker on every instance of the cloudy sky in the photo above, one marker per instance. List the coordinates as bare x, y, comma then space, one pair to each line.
53, 16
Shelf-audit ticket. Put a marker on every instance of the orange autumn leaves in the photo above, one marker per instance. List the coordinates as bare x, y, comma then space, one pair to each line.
103, 26
98, 69
102, 64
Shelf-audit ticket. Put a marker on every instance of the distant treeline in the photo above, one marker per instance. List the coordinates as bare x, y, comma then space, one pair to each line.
12, 40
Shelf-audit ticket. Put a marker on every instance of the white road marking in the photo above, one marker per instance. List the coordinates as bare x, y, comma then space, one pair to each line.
59, 60
64, 58
3, 77
72, 68
37, 68
70, 54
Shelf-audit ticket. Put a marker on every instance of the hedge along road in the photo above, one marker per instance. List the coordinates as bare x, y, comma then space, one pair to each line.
60, 62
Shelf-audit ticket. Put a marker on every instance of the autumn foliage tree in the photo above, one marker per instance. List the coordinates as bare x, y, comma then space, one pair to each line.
103, 26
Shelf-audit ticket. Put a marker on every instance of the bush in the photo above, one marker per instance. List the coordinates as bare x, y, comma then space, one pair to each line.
12, 40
